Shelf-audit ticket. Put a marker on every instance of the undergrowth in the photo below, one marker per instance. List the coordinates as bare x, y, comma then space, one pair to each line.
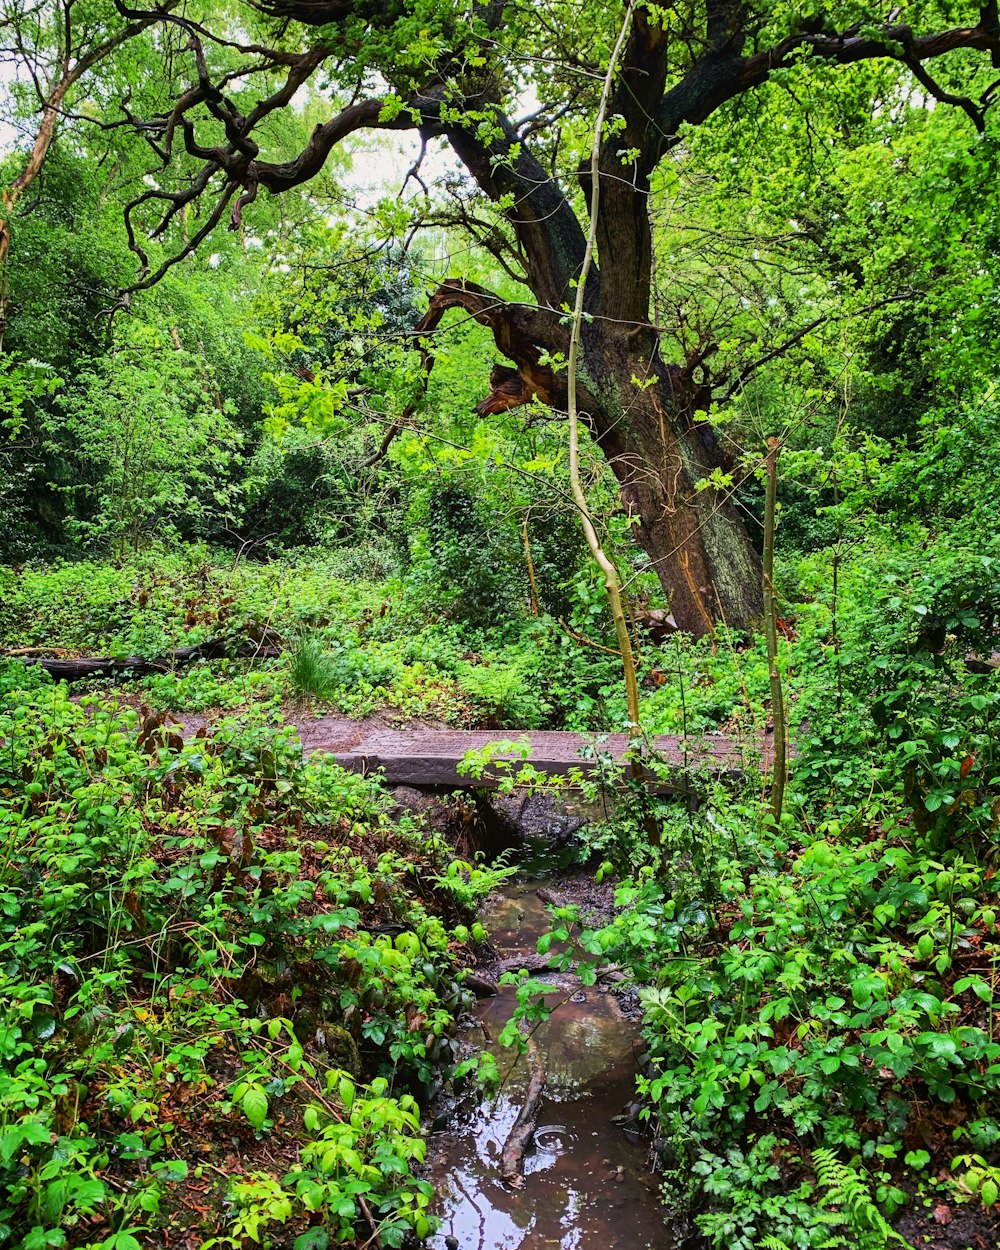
227, 981
819, 995
359, 647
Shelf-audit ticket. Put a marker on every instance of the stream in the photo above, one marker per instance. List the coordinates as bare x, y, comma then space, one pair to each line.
586, 1185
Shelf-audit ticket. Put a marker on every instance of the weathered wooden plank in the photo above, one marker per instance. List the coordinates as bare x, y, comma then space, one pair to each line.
430, 757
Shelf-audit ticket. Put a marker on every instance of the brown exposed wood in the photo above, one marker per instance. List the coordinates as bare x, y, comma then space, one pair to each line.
130, 667
984, 665
525, 334
523, 1128
508, 389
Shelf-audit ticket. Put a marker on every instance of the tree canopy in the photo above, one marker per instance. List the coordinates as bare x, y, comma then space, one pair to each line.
510, 91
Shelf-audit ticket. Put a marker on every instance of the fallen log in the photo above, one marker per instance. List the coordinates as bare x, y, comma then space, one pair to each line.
482, 985
534, 965
523, 1128
132, 666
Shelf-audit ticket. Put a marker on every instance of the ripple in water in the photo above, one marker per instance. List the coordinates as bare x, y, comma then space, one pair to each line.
553, 1139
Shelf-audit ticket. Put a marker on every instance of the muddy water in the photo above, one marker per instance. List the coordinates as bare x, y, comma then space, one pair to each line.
586, 1184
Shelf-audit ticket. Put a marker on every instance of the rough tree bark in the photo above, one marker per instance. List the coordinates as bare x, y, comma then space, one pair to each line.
642, 412
649, 433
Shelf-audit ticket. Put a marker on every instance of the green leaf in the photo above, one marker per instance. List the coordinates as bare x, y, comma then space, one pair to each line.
312, 1239
122, 1241
254, 1105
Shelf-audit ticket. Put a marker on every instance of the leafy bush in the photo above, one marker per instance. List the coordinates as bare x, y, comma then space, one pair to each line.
462, 564
817, 1002
303, 490
203, 943
225, 684
153, 445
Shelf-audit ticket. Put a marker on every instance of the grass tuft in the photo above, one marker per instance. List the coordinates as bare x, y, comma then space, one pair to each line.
313, 673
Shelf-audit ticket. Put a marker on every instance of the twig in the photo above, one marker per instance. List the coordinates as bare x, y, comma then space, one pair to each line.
611, 579
531, 567
599, 646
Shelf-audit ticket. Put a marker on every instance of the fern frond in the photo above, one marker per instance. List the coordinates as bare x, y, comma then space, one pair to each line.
847, 1189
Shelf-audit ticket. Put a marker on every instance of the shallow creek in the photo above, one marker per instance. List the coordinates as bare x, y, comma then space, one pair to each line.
586, 1184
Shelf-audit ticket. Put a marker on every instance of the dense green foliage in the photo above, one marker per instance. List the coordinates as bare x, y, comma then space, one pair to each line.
230, 976
204, 931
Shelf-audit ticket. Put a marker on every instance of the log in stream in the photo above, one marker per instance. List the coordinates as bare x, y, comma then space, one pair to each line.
523, 1129
583, 1183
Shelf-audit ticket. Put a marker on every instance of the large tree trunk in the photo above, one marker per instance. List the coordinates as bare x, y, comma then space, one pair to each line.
660, 451
642, 415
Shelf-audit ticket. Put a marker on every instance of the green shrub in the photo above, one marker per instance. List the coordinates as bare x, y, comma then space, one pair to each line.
464, 566
220, 935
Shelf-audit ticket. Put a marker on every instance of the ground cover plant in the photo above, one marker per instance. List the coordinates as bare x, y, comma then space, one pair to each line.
359, 647
228, 978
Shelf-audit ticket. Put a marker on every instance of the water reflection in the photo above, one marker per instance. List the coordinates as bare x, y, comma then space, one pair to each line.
586, 1186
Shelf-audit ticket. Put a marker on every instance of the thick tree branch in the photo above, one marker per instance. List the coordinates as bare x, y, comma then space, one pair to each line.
525, 334
499, 159
151, 279
515, 330
545, 226
719, 77
975, 113
313, 12
278, 177
624, 247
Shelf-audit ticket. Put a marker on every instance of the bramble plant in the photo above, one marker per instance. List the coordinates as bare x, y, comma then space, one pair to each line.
199, 940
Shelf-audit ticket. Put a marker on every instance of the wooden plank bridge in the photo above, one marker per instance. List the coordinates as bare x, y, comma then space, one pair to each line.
431, 757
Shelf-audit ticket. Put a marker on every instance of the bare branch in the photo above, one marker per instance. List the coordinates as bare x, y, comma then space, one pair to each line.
746, 374
414, 170
975, 113
151, 279
714, 80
